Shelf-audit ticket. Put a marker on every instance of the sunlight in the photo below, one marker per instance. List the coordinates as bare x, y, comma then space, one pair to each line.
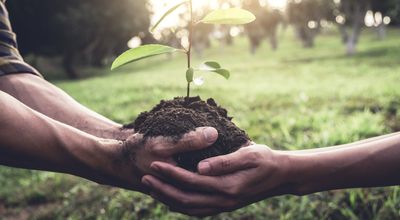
279, 4
160, 6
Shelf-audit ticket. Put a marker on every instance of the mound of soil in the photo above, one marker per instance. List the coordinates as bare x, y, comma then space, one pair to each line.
173, 118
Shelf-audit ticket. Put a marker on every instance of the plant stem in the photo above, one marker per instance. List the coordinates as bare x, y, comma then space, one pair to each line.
189, 51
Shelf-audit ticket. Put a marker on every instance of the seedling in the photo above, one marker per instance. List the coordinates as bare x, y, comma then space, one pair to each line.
231, 16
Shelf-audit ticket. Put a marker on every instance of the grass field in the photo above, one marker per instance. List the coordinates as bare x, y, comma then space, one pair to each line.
294, 98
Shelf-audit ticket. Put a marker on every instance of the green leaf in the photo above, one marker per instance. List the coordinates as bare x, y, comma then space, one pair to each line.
223, 72
166, 14
189, 75
141, 52
229, 16
212, 66
209, 66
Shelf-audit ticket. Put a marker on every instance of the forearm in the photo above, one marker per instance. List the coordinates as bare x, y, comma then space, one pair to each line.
325, 149
31, 140
49, 100
371, 163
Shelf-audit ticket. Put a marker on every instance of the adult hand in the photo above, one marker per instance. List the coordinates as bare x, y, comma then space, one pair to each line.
132, 158
224, 183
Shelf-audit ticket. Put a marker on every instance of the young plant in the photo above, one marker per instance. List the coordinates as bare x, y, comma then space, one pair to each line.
231, 16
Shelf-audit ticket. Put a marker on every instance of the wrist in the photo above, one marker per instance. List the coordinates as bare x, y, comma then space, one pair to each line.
115, 165
288, 172
95, 159
117, 132
298, 170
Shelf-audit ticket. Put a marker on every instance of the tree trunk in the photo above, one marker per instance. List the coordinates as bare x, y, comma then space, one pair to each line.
344, 34
381, 31
351, 47
305, 35
359, 12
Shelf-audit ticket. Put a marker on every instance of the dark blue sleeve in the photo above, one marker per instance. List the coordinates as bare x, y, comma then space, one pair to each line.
11, 61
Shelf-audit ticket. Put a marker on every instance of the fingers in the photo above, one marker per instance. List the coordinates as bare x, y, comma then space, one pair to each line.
189, 180
182, 200
175, 207
227, 164
201, 138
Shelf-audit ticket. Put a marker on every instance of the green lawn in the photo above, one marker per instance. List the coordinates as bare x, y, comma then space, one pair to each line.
294, 98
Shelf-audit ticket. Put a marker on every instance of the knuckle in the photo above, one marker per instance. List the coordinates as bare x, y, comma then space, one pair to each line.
254, 156
189, 140
191, 180
157, 146
224, 163
153, 149
232, 190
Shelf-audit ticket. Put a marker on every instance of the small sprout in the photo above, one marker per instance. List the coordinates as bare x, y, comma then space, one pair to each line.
230, 16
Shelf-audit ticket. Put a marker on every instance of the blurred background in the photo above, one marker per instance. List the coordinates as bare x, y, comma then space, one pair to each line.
305, 74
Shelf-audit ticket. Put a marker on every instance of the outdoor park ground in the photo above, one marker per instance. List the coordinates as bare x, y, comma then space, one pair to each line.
293, 98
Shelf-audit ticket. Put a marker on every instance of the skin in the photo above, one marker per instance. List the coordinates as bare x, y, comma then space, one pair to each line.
43, 128
254, 173
51, 101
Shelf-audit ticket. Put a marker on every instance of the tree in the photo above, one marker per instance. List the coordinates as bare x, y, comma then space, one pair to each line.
383, 10
266, 25
306, 17
350, 18
81, 32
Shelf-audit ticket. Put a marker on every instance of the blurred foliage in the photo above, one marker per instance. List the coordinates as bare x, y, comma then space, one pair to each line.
265, 26
289, 99
387, 8
306, 17
349, 15
93, 32
82, 32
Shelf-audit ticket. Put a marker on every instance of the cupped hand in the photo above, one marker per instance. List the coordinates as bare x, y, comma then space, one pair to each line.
224, 183
131, 159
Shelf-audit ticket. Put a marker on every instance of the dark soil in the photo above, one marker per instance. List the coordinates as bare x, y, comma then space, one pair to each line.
173, 118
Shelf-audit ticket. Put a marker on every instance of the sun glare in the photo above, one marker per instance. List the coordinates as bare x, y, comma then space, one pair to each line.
161, 6
280, 4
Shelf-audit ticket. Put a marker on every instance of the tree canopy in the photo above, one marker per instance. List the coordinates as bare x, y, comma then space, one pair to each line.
82, 32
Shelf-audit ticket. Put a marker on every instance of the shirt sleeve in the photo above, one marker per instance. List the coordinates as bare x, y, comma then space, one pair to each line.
11, 61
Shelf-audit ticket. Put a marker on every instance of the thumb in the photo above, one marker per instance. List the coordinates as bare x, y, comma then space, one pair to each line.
226, 164
200, 138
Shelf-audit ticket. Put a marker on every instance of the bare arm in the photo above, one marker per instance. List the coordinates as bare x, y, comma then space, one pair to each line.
370, 163
256, 172
357, 143
51, 101
29, 139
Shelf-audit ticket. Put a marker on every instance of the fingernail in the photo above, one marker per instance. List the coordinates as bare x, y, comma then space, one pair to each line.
210, 134
146, 182
204, 167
